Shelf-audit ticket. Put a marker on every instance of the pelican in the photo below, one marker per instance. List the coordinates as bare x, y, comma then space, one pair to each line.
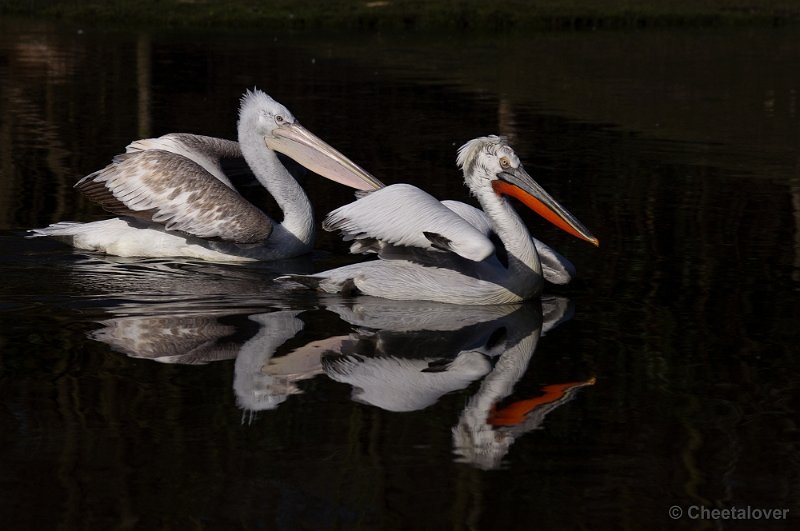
173, 198
442, 251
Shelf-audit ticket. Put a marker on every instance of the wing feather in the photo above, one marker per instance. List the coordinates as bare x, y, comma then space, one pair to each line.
474, 216
170, 189
555, 268
404, 215
204, 150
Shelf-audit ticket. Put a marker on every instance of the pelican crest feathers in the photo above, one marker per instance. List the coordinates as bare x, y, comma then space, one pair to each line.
467, 155
261, 100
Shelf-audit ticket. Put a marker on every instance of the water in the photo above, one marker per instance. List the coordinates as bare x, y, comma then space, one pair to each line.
175, 394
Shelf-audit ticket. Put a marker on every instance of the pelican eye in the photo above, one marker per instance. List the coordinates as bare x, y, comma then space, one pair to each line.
279, 119
505, 163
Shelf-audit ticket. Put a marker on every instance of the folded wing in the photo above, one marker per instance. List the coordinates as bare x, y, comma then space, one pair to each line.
555, 268
404, 215
170, 189
204, 150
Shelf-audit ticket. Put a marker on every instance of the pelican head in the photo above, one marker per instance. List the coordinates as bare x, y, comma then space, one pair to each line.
282, 132
267, 113
490, 161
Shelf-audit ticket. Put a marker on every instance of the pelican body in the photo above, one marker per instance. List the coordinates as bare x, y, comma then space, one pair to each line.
173, 199
443, 251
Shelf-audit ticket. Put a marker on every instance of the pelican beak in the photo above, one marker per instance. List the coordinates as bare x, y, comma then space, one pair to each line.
297, 142
515, 182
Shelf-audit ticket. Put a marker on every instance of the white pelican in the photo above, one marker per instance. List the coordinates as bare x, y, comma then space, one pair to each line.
174, 200
442, 251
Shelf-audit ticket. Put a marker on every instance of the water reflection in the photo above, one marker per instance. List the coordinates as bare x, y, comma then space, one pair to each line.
399, 356
406, 357
485, 431
169, 339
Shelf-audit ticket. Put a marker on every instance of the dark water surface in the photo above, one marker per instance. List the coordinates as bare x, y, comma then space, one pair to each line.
170, 394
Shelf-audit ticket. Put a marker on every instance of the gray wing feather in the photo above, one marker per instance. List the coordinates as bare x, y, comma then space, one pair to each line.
170, 189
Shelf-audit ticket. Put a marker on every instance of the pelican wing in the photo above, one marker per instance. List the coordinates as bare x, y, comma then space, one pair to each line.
474, 216
556, 268
404, 215
170, 189
204, 150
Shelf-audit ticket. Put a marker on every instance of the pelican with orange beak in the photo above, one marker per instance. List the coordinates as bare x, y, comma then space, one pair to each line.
449, 251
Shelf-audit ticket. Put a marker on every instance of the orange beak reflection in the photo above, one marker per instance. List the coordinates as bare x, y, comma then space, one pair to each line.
516, 412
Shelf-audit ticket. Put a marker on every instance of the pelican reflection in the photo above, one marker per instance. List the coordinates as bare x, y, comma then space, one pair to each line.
397, 355
216, 335
407, 357
486, 429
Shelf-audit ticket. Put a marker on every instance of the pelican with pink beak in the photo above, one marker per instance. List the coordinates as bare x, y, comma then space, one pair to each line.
173, 199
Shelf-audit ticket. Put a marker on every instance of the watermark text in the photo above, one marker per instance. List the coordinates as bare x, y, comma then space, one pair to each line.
700, 512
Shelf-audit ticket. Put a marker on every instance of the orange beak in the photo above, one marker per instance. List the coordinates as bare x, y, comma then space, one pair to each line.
515, 182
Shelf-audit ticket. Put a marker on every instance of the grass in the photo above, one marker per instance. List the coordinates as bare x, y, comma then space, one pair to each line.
371, 15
